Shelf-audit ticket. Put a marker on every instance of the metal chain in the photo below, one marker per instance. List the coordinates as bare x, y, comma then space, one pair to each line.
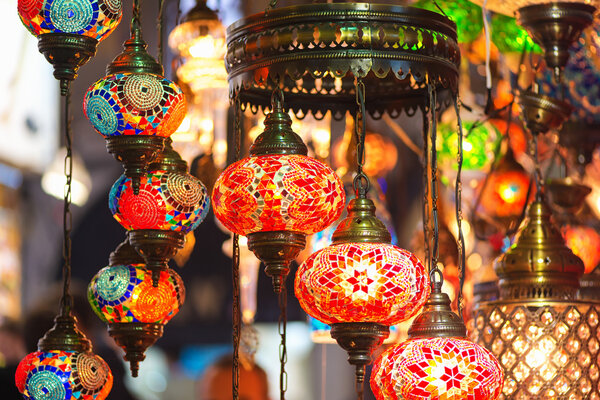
136, 26
459, 215
361, 181
282, 327
161, 31
67, 300
235, 266
538, 170
360, 389
434, 195
426, 217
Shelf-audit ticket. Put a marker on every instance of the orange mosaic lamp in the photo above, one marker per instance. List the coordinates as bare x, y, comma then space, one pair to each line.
437, 362
169, 204
361, 284
124, 296
278, 195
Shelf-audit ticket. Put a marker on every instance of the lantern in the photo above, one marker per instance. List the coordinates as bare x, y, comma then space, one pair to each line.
278, 195
69, 30
124, 296
170, 203
135, 107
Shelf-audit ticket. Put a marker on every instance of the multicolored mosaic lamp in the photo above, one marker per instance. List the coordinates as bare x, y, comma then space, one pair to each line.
170, 203
135, 107
64, 368
69, 30
124, 296
361, 284
278, 195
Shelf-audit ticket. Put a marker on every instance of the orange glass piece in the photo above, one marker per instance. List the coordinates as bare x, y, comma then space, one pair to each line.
584, 241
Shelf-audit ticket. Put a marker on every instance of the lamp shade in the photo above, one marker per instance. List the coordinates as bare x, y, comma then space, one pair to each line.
166, 201
93, 18
362, 282
276, 192
134, 104
63, 375
435, 369
125, 293
479, 143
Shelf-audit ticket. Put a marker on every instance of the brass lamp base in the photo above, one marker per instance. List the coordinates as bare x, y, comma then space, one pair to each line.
542, 113
277, 249
157, 247
135, 152
66, 52
359, 339
556, 27
135, 338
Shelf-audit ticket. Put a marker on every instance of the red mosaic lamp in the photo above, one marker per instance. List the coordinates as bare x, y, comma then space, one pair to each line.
278, 195
361, 284
68, 31
169, 204
123, 296
135, 107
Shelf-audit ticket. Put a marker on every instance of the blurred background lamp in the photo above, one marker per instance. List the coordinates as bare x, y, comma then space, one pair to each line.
54, 180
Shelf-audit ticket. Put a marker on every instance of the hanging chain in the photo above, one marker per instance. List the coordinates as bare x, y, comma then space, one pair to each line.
360, 389
136, 26
434, 195
161, 31
459, 215
361, 182
538, 170
282, 327
67, 300
426, 217
235, 265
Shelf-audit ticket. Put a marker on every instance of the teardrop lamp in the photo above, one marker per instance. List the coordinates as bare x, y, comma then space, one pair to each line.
361, 284
278, 195
135, 107
123, 296
170, 203
68, 31
438, 361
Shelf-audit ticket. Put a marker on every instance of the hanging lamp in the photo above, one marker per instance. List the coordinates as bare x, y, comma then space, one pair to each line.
277, 195
68, 31
169, 203
135, 107
123, 296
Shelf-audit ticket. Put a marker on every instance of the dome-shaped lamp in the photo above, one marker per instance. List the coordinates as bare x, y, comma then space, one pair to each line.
135, 107
69, 30
542, 113
361, 284
278, 195
64, 366
170, 203
124, 296
437, 361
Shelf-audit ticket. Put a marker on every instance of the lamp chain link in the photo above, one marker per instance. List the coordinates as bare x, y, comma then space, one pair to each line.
434, 195
426, 216
459, 214
67, 300
282, 327
136, 19
235, 266
361, 181
538, 171
161, 32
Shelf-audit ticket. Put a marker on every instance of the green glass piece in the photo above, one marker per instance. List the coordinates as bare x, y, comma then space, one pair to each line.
466, 15
510, 37
479, 144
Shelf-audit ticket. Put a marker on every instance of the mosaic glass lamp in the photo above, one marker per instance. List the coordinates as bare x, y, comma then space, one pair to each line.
509, 37
437, 361
123, 296
361, 284
135, 107
278, 195
69, 30
170, 203
64, 367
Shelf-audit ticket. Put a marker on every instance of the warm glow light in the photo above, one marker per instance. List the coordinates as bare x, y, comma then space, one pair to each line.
506, 193
54, 179
584, 241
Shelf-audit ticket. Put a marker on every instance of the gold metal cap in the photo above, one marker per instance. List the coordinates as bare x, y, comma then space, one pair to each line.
361, 225
539, 264
125, 254
65, 335
542, 113
169, 160
567, 193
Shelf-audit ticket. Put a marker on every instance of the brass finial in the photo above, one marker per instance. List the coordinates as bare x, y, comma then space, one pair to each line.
135, 58
539, 264
169, 160
361, 225
65, 335
125, 254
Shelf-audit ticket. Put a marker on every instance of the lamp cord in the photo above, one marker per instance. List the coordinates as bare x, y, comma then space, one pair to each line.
434, 195
459, 215
161, 30
235, 266
282, 327
361, 181
66, 302
136, 28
